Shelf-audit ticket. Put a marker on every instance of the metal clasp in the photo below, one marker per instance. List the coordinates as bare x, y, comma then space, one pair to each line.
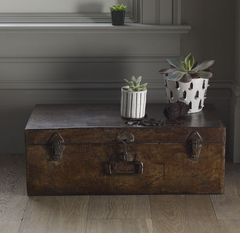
118, 168
125, 156
195, 144
138, 165
57, 146
125, 137
121, 164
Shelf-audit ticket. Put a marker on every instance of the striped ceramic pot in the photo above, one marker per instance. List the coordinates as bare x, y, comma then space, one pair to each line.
193, 93
133, 103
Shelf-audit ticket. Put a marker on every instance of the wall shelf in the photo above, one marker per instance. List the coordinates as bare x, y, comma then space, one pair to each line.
96, 27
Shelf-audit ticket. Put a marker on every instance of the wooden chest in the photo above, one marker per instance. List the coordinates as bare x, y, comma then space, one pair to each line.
88, 149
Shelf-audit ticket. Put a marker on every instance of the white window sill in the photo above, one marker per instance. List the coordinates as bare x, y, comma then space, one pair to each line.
95, 27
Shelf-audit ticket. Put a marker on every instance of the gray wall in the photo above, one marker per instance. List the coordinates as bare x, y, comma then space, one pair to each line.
75, 66
213, 37
237, 66
235, 103
58, 6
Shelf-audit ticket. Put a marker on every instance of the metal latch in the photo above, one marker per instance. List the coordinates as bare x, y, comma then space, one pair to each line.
125, 137
126, 168
121, 164
195, 144
138, 164
57, 147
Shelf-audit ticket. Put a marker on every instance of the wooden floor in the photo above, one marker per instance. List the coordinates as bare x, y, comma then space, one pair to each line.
115, 214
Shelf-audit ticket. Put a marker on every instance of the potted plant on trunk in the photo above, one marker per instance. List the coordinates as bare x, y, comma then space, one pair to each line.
187, 81
133, 99
118, 14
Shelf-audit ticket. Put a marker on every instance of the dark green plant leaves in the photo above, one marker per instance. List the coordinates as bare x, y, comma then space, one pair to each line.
176, 64
189, 62
118, 7
203, 66
187, 69
167, 71
204, 74
135, 84
176, 76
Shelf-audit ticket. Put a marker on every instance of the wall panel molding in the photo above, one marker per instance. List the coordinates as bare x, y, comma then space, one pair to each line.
166, 12
97, 84
92, 28
144, 41
143, 11
235, 126
69, 85
236, 89
235, 123
163, 12
31, 93
149, 11
66, 58
177, 12
131, 17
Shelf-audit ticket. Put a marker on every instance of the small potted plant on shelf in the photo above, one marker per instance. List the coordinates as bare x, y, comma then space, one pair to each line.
118, 14
133, 98
187, 81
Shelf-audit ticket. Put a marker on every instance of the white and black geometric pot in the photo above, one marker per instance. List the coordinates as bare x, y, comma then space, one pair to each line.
193, 93
133, 103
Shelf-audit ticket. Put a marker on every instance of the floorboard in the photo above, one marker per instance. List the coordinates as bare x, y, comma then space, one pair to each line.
229, 225
111, 207
183, 214
227, 205
9, 226
13, 198
120, 226
55, 215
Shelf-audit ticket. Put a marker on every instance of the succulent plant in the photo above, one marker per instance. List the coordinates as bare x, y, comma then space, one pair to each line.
135, 84
187, 69
118, 7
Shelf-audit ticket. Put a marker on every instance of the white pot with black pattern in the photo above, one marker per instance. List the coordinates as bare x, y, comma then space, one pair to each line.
193, 93
133, 103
